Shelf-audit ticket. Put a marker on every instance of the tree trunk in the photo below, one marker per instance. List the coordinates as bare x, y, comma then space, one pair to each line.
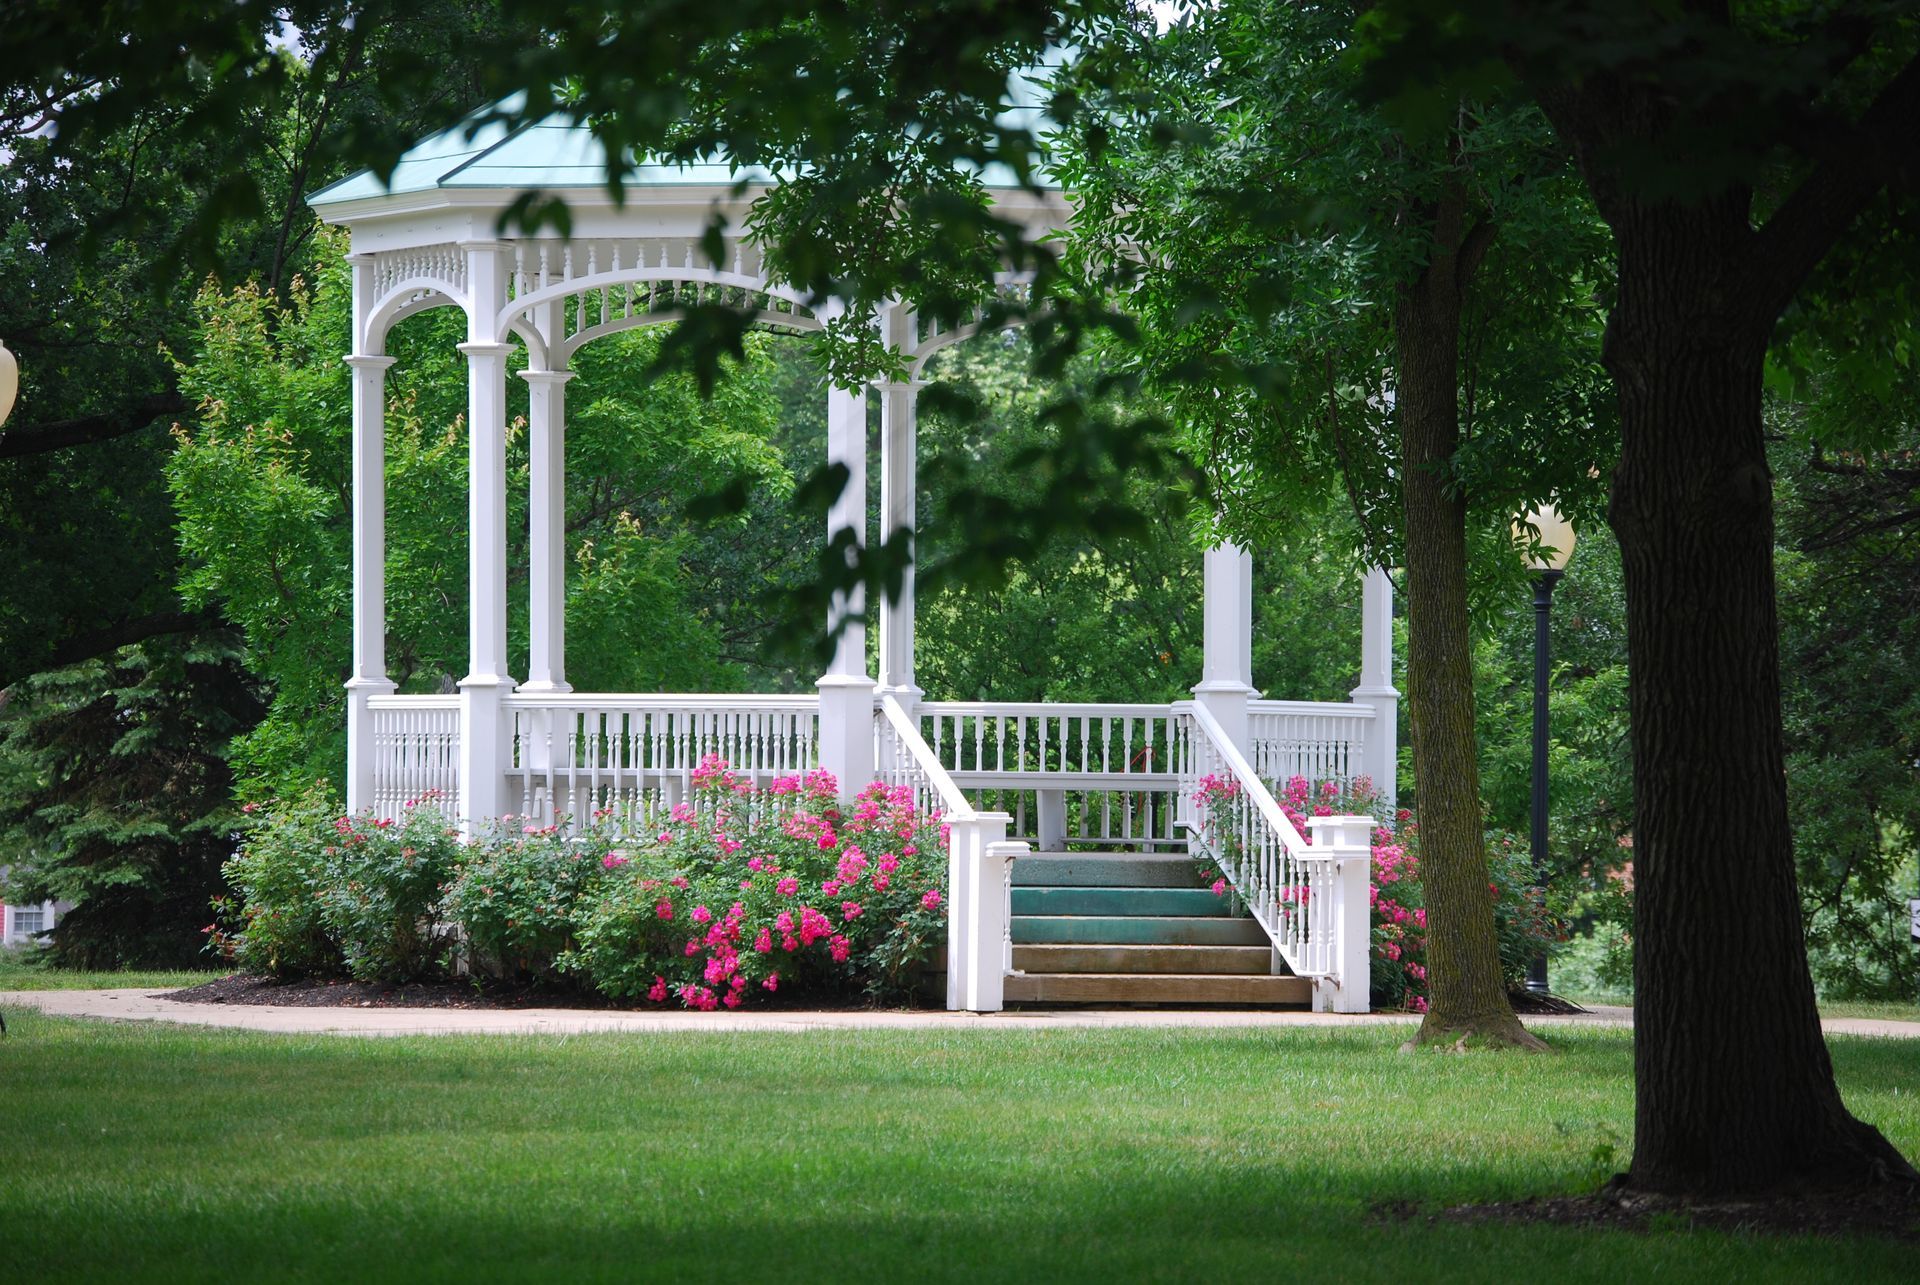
1467, 993
1735, 1090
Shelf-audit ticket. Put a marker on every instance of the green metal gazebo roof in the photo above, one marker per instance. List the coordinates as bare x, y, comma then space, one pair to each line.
561, 153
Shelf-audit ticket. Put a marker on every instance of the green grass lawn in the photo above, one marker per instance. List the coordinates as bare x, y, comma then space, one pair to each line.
148, 1152
19, 973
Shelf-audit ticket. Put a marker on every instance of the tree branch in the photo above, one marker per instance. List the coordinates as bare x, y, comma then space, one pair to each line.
1854, 168
58, 434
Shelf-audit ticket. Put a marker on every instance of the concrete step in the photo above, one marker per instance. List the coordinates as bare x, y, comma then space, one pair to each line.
1105, 870
1165, 988
1216, 960
1120, 901
1144, 930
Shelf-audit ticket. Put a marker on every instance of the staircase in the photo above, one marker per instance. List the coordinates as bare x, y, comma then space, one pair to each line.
1126, 928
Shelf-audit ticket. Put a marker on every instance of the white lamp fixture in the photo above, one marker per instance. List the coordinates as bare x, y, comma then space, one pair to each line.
1556, 538
9, 382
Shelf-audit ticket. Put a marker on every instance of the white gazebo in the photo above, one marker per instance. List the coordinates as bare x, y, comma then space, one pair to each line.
1010, 778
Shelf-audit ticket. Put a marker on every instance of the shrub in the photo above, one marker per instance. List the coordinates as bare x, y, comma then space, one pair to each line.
743, 891
323, 892
518, 893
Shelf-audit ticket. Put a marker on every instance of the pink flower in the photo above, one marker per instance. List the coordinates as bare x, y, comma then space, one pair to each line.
830, 887
764, 942
755, 864
613, 861
693, 947
732, 1000
658, 991
788, 886
827, 841
849, 910
1219, 887
888, 863
772, 983
702, 915
663, 909
881, 883
839, 948
784, 922
930, 899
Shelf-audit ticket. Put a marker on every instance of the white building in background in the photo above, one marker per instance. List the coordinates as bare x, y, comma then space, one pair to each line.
20, 926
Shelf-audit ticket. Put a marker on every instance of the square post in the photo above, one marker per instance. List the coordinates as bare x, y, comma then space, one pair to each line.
1226, 676
546, 530
369, 499
1345, 930
979, 860
1380, 757
899, 502
483, 692
846, 689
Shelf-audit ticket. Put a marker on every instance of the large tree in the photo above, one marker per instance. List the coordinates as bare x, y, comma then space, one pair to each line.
1731, 149
1348, 315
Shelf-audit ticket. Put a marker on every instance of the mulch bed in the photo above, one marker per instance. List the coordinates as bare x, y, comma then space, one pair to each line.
321, 992
1890, 1211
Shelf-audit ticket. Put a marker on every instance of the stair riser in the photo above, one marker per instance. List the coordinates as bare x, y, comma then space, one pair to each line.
1070, 988
1105, 872
1136, 930
1110, 902
1255, 961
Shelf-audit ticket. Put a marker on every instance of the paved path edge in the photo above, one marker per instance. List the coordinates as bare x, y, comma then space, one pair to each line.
147, 1006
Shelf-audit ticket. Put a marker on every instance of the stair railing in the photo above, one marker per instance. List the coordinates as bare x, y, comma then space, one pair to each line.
979, 863
1310, 898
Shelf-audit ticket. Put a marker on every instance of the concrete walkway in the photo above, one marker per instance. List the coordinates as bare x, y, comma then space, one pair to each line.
146, 1006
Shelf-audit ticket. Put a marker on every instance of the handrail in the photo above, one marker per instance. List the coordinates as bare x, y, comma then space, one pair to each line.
710, 702
1250, 784
1070, 709
953, 804
1287, 885
1329, 709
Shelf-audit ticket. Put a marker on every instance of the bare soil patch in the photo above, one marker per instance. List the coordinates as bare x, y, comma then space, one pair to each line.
1890, 1211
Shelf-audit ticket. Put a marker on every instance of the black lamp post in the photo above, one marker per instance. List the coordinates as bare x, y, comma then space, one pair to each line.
1548, 563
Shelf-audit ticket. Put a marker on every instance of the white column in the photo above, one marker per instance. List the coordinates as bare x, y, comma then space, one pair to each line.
547, 530
369, 500
978, 860
1226, 676
899, 487
1381, 757
846, 689
483, 692
1349, 918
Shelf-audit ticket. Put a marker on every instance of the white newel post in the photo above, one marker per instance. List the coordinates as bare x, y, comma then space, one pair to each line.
546, 530
1381, 757
1226, 676
846, 689
899, 484
1350, 841
483, 692
369, 678
979, 858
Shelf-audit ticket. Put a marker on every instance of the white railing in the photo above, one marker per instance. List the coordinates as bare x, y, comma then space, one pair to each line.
1310, 898
1320, 740
1066, 773
416, 752
573, 754
979, 863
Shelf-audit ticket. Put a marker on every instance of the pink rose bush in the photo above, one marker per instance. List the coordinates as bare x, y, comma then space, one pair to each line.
761, 889
740, 892
1395, 894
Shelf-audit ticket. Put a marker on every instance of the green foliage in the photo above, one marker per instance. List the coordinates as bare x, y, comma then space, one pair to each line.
319, 892
260, 486
518, 891
115, 796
